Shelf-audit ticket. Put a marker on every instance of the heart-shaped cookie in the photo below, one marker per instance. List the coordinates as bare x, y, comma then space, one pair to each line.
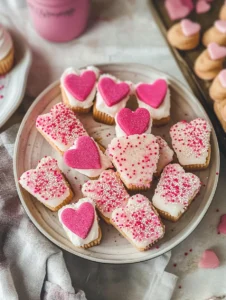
177, 9
46, 183
152, 94
138, 222
135, 158
202, 6
133, 122
215, 51
80, 86
107, 192
220, 25
175, 191
79, 220
189, 28
111, 91
222, 225
191, 141
85, 155
209, 260
60, 127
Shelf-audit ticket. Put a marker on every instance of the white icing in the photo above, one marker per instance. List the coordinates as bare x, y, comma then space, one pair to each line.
111, 110
163, 111
119, 132
6, 42
94, 232
72, 100
104, 160
165, 154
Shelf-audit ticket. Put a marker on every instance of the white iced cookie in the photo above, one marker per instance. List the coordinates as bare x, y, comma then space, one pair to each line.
165, 154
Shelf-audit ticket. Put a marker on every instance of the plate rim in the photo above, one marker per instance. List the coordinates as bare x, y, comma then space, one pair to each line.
111, 261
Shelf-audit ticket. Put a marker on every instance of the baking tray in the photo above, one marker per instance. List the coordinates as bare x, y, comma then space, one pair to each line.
186, 59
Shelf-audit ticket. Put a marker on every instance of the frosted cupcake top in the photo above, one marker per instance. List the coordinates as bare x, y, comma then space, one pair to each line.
6, 42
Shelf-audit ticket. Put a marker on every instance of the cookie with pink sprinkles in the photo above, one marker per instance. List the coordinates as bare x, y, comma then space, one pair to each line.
135, 157
107, 192
175, 191
138, 222
191, 142
47, 184
166, 155
60, 127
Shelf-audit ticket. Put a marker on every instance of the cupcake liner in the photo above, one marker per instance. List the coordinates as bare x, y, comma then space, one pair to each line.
102, 117
6, 63
75, 109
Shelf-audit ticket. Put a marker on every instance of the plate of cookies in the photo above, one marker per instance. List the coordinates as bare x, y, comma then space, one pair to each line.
116, 163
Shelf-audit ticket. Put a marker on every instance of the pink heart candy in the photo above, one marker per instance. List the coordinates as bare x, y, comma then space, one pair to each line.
202, 6
152, 94
176, 9
215, 51
220, 25
222, 225
222, 77
209, 260
189, 28
133, 122
189, 4
80, 86
80, 220
111, 91
84, 156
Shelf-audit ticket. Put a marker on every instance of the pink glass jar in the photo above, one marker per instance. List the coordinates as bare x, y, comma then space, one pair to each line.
59, 20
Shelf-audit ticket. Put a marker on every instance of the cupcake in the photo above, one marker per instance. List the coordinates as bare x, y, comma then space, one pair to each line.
217, 90
184, 35
175, 192
165, 155
80, 222
130, 122
215, 34
138, 222
60, 127
107, 192
78, 88
210, 62
135, 158
112, 95
47, 184
155, 97
191, 143
86, 157
6, 51
220, 111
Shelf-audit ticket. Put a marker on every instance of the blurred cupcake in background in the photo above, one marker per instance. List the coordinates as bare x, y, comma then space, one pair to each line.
6, 51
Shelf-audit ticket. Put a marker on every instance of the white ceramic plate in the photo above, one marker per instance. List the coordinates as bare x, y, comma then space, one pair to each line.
31, 146
13, 84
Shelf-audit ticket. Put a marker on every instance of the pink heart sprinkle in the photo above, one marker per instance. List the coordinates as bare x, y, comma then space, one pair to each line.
80, 220
222, 77
222, 225
176, 9
133, 122
85, 156
215, 51
111, 91
152, 94
80, 86
202, 6
220, 25
209, 260
189, 28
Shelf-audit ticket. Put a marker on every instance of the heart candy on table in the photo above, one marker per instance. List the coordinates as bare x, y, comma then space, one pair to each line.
152, 94
189, 28
80, 86
111, 91
202, 6
222, 225
209, 260
220, 25
216, 52
189, 4
177, 9
133, 122
84, 156
79, 220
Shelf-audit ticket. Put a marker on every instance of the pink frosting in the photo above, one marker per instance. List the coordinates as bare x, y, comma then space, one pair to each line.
85, 156
111, 91
209, 260
216, 51
222, 225
220, 25
80, 86
152, 94
80, 220
177, 9
202, 6
222, 77
133, 122
189, 28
